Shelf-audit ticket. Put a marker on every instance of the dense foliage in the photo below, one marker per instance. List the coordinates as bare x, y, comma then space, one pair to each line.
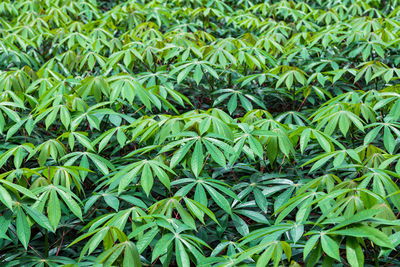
199, 133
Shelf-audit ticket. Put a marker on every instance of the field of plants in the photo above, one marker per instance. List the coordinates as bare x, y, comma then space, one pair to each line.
199, 133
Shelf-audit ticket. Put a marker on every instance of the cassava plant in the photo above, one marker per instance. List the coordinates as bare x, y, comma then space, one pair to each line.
199, 133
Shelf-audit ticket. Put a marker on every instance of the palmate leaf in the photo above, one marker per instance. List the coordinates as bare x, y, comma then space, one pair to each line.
51, 148
99, 235
248, 141
101, 163
290, 76
128, 56
338, 157
272, 251
235, 96
387, 129
197, 210
94, 86
19, 152
342, 120
212, 187
209, 143
127, 87
127, 249
24, 215
185, 244
200, 68
53, 195
324, 140
148, 169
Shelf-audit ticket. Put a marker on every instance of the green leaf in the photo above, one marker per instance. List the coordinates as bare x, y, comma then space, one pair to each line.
388, 140
186, 218
371, 135
19, 188
53, 209
71, 203
260, 199
182, 257
180, 153
354, 252
364, 231
131, 256
310, 244
232, 103
145, 239
23, 228
198, 74
202, 208
182, 75
161, 246
265, 257
5, 198
147, 180
219, 199
240, 225
39, 218
215, 153
197, 158
330, 247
